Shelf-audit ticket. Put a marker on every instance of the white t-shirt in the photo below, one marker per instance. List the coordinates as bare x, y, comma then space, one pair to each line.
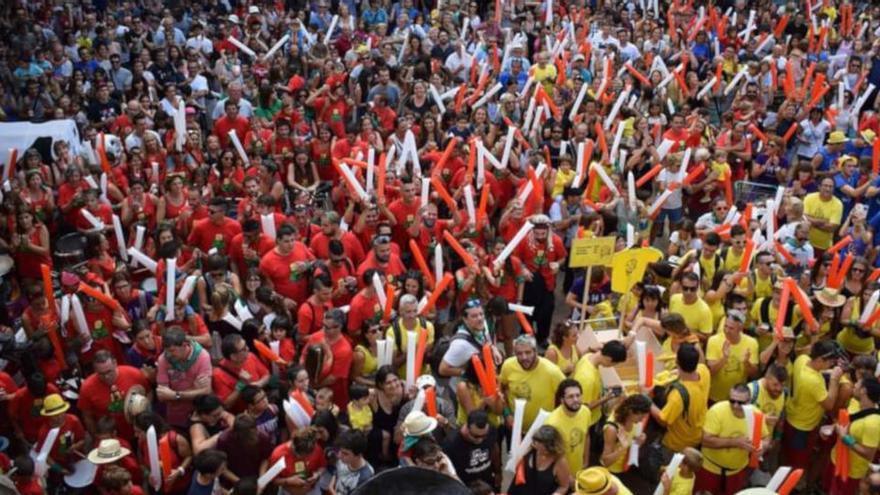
665, 177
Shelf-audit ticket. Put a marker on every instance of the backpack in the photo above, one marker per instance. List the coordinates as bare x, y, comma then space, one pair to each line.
442, 344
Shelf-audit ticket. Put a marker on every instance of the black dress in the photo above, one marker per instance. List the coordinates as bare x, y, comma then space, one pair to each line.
538, 482
383, 422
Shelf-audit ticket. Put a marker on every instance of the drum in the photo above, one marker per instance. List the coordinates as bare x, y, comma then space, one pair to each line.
70, 249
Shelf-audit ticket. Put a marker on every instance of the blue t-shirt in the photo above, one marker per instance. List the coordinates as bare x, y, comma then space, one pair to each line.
839, 182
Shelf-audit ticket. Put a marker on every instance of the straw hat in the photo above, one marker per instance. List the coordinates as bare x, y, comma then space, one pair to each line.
868, 135
831, 298
136, 402
53, 405
418, 424
593, 481
109, 450
837, 137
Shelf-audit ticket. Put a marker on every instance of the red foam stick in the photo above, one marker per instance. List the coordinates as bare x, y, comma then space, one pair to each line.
524, 323
649, 369
600, 137
650, 174
13, 157
303, 401
790, 482
818, 97
746, 216
472, 161
841, 464
757, 133
875, 157
718, 77
458, 248
51, 322
875, 274
480, 371
102, 155
780, 26
783, 309
443, 193
807, 79
757, 430
638, 75
438, 291
840, 244
431, 402
100, 296
835, 265
266, 352
165, 455
802, 302
380, 176
785, 254
421, 345
840, 276
693, 174
728, 190
389, 304
420, 262
774, 77
489, 362
520, 478
747, 256
459, 98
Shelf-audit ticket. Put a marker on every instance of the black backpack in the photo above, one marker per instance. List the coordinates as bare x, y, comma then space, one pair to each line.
441, 345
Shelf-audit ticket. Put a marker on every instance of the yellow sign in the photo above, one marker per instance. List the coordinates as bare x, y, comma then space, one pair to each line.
628, 267
592, 251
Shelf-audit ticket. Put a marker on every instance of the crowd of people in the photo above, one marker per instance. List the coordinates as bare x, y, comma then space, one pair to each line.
286, 246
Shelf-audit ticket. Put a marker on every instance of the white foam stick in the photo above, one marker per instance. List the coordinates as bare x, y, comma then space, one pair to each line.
403, 46
656, 9
863, 98
482, 101
766, 42
526, 442
154, 167
841, 93
238, 147
527, 87
750, 26
170, 279
671, 469
153, 456
330, 29
670, 106
65, 309
92, 219
686, 160
45, 449
664, 148
243, 312
769, 221
630, 235
469, 203
419, 401
579, 167
349, 176
180, 125
267, 222
519, 409
634, 447
519, 308
449, 94
481, 168
707, 88
438, 100
580, 98
277, 46
79, 319
732, 213
508, 144
389, 350
605, 178
411, 371
778, 477
530, 114
273, 472
489, 156
142, 258
869, 308
380, 352
615, 145
511, 246
380, 290
91, 182
371, 169
524, 194
616, 108
104, 188
232, 320
548, 14
438, 262
563, 147
658, 203
186, 291
621, 162
666, 80
426, 186
120, 238
602, 86
464, 28
641, 350
736, 79
296, 414
90, 153
241, 46
631, 190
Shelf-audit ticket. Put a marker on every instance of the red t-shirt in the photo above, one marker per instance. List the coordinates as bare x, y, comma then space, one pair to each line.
98, 399
28, 486
24, 409
236, 251
104, 214
320, 245
302, 466
362, 308
538, 258
206, 234
405, 214
278, 268
223, 125
342, 357
332, 113
224, 381
70, 432
393, 269
310, 315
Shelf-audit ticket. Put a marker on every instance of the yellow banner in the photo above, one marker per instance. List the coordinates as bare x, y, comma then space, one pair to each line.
592, 251
628, 267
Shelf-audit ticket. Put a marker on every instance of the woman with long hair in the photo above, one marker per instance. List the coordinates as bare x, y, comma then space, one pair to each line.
365, 359
470, 398
177, 482
563, 351
386, 404
546, 470
29, 244
620, 432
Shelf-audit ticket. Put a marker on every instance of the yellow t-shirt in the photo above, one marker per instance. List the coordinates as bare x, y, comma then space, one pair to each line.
721, 169
709, 265
681, 485
563, 179
804, 408
763, 286
562, 362
537, 386
404, 338
866, 431
732, 261
476, 394
767, 404
734, 370
829, 211
371, 363
545, 76
361, 418
573, 430
697, 316
764, 341
849, 339
721, 422
686, 430
587, 374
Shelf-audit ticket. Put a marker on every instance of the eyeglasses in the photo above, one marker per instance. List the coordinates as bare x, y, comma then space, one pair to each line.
689, 288
734, 402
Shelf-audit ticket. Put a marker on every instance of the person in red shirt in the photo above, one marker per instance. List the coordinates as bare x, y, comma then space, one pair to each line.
330, 229
248, 247
429, 231
238, 369
116, 480
24, 406
216, 231
71, 435
543, 254
287, 265
303, 460
302, 220
333, 108
247, 206
677, 133
23, 477
232, 121
343, 274
335, 372
382, 257
101, 211
103, 393
383, 114
405, 210
310, 314
365, 304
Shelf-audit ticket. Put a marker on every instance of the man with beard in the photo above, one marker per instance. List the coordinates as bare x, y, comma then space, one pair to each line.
405, 210
428, 232
571, 418
382, 258
531, 377
474, 451
248, 247
543, 253
287, 265
330, 229
102, 393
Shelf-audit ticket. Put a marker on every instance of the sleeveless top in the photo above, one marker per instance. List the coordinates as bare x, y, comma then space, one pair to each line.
562, 361
538, 482
619, 466
386, 421
371, 363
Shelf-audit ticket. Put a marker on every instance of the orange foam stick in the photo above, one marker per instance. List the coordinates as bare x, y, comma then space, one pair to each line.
524, 323
693, 174
420, 262
458, 248
807, 79
840, 276
102, 155
681, 83
473, 74
356, 163
718, 77
790, 132
811, 36
591, 182
650, 174
818, 84
496, 64
472, 161
421, 346
746, 217
638, 75
165, 455
785, 254
554, 109
728, 189
303, 401
459, 98
600, 137
757, 133
875, 274
790, 482
823, 33
498, 11
489, 362
818, 97
670, 21
840, 244
841, 464
431, 402
266, 352
520, 477
756, 433
13, 157
802, 302
723, 229
859, 82
443, 193
389, 303
789, 79
783, 309
438, 291
780, 26
447, 152
100, 296
380, 176
649, 369
875, 157
835, 264
872, 319
774, 76
481, 209
480, 371
747, 256
47, 287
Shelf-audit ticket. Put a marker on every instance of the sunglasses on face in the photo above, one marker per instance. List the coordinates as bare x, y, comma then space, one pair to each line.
734, 402
689, 288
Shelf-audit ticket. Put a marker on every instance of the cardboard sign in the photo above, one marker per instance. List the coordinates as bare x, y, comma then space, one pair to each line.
592, 251
629, 266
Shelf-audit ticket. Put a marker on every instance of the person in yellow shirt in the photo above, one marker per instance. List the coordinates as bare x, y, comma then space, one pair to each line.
762, 278
763, 315
682, 483
861, 437
731, 258
683, 417
824, 211
586, 372
677, 333
732, 356
621, 430
727, 445
564, 176
768, 393
531, 377
598, 481
408, 320
544, 73
696, 313
571, 419
810, 400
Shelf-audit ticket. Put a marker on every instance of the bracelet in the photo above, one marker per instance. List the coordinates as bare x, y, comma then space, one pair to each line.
848, 440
